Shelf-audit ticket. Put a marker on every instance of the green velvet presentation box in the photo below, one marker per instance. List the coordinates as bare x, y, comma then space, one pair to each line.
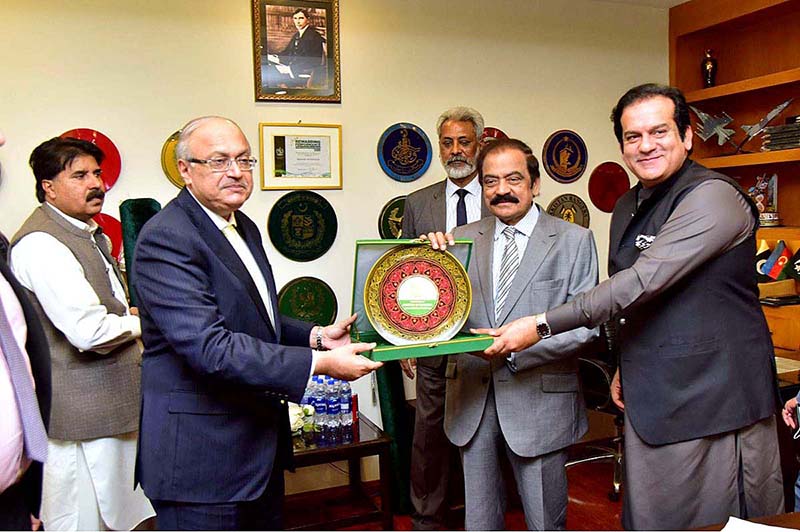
368, 253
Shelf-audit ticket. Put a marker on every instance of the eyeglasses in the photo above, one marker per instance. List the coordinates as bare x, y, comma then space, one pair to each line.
222, 164
512, 180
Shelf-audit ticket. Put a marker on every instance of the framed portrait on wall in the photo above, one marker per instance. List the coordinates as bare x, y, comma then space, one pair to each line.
300, 156
296, 50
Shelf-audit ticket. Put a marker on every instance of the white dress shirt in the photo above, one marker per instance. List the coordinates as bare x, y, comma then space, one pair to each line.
524, 229
472, 200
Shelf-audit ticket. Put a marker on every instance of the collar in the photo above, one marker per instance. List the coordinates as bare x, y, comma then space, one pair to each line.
301, 32
218, 220
524, 226
473, 187
91, 227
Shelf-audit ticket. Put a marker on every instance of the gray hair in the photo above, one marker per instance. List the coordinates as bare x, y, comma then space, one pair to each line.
182, 148
461, 114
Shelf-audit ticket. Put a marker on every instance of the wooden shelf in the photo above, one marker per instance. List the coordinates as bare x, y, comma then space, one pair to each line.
751, 159
746, 85
784, 232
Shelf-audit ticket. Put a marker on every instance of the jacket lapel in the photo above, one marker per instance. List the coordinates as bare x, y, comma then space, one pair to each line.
253, 240
483, 266
540, 242
438, 208
222, 249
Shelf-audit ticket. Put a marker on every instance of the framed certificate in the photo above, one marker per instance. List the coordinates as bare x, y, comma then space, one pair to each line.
300, 156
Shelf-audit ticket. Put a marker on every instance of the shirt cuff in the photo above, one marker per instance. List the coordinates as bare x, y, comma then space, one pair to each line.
314, 355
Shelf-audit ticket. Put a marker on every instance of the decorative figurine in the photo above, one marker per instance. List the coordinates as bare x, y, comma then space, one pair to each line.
709, 69
765, 195
714, 125
755, 129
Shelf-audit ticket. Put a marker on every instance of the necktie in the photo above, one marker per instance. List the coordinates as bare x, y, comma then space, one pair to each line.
246, 256
508, 269
33, 431
461, 207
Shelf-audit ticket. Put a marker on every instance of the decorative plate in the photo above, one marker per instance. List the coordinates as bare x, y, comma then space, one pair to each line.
607, 183
390, 222
113, 229
564, 155
492, 133
169, 161
415, 294
112, 163
404, 152
571, 208
302, 225
308, 299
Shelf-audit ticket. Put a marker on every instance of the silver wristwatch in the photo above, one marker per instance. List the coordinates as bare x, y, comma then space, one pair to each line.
542, 327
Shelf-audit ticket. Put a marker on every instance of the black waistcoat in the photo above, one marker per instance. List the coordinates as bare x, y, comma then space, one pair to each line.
697, 359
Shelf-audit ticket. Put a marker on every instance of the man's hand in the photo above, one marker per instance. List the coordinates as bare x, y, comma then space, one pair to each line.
616, 391
338, 334
439, 240
345, 362
788, 412
512, 337
36, 523
134, 311
409, 367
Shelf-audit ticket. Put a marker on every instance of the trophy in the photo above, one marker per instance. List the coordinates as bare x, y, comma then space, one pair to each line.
765, 195
708, 68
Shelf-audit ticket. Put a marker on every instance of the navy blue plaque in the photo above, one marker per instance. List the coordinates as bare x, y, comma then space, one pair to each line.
302, 225
404, 152
564, 155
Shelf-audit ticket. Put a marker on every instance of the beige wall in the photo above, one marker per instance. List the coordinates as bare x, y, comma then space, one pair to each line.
137, 70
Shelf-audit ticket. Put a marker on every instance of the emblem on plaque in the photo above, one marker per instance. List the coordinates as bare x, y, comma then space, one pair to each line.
302, 225
564, 155
404, 152
169, 161
571, 208
415, 294
308, 299
390, 221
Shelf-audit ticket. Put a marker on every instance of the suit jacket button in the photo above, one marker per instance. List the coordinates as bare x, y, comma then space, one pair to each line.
622, 321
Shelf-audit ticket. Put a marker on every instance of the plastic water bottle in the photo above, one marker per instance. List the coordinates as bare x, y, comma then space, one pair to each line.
307, 404
346, 411
320, 413
332, 395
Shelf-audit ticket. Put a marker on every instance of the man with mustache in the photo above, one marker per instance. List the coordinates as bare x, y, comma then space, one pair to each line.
62, 259
440, 207
526, 405
697, 375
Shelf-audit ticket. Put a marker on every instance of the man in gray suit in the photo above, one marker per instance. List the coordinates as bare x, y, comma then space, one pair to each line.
528, 404
440, 207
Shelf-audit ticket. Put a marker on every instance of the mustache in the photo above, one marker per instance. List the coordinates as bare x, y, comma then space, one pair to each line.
96, 193
458, 159
504, 198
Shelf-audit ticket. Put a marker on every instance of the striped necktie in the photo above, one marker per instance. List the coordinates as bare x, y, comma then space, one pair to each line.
33, 431
508, 269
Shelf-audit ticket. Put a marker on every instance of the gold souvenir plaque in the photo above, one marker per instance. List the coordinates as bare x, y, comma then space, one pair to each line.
415, 294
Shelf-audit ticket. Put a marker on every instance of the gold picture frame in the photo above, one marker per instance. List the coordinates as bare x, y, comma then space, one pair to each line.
298, 156
296, 50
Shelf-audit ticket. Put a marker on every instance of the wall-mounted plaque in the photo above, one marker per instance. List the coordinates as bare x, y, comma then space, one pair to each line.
404, 152
607, 183
564, 156
169, 161
390, 221
571, 208
302, 225
308, 299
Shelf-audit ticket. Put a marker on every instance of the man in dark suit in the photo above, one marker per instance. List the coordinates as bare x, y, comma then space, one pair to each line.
20, 500
303, 55
440, 207
220, 362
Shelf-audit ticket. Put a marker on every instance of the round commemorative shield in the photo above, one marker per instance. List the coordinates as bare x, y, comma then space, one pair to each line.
607, 183
490, 134
112, 162
302, 225
308, 299
113, 229
571, 208
390, 222
564, 156
414, 294
404, 152
169, 161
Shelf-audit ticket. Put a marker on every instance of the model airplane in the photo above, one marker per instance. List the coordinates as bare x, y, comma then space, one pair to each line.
714, 125
755, 129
